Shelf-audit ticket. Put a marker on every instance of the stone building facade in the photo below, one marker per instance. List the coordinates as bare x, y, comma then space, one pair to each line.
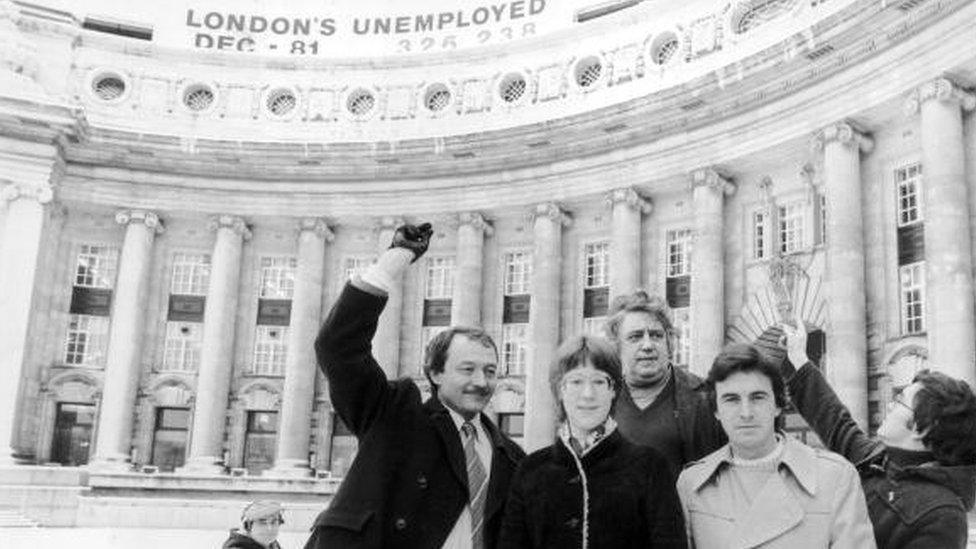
175, 225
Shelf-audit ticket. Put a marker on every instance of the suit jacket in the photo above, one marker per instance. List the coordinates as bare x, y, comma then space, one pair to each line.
408, 483
814, 501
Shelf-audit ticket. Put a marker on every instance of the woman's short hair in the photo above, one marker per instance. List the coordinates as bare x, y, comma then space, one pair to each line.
739, 358
945, 412
574, 353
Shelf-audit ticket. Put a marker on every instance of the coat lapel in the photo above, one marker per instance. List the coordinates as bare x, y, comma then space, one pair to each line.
773, 512
450, 438
502, 467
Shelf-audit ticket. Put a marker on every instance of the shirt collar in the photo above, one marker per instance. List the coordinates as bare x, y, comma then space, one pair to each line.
459, 420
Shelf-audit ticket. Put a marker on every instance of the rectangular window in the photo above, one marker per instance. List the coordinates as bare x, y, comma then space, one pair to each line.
791, 223
191, 274
278, 277
596, 265
96, 266
259, 441
181, 351
759, 234
518, 273
908, 181
514, 349
912, 298
355, 265
169, 438
440, 278
270, 349
512, 425
86, 341
682, 333
679, 252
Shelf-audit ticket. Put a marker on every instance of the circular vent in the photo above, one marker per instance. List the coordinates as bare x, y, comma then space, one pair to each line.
281, 102
360, 102
512, 88
108, 88
665, 49
198, 98
588, 72
437, 98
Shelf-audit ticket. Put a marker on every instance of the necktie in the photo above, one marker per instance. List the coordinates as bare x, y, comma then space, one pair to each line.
477, 485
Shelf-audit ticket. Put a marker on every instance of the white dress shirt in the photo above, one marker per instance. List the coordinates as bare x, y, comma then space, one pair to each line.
460, 536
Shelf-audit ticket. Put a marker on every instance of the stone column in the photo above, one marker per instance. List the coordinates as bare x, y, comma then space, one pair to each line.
468, 280
217, 356
626, 209
708, 190
294, 428
386, 341
949, 314
19, 249
122, 360
540, 418
845, 295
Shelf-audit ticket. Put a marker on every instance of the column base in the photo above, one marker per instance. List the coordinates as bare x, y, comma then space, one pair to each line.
289, 468
203, 465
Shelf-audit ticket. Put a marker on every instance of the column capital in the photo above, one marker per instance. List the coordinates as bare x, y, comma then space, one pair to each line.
552, 211
476, 220
318, 226
630, 197
149, 219
389, 222
11, 191
941, 89
712, 179
842, 133
231, 222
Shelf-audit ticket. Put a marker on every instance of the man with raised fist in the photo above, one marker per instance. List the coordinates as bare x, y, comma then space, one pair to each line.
431, 474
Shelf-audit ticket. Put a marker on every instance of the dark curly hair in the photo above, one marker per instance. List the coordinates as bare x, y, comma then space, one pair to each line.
945, 412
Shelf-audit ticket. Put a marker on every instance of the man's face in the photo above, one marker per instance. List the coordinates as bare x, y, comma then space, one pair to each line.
645, 351
746, 408
265, 530
468, 379
898, 428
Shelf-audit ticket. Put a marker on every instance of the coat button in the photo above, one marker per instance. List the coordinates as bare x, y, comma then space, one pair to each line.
400, 523
572, 523
422, 482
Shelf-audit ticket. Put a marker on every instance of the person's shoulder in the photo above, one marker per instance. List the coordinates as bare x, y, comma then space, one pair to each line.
696, 472
237, 540
687, 380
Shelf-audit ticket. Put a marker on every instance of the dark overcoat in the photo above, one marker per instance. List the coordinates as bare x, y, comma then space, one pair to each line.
408, 483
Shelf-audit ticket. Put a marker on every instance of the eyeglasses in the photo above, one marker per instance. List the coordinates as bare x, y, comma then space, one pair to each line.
275, 521
576, 383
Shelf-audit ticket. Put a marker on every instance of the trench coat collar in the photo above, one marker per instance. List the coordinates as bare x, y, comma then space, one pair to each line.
798, 458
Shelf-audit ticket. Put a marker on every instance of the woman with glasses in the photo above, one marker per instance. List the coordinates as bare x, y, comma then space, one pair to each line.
591, 489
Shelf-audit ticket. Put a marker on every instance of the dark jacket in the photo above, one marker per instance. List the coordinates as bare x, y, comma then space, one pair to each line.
408, 483
624, 498
701, 434
912, 506
239, 540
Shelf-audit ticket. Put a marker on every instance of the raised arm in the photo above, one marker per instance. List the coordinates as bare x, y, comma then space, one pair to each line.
817, 402
357, 385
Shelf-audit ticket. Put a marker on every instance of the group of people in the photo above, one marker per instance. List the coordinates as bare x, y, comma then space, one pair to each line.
645, 453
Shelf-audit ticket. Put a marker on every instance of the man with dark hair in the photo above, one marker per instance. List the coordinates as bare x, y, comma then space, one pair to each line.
919, 475
260, 521
661, 406
764, 489
431, 474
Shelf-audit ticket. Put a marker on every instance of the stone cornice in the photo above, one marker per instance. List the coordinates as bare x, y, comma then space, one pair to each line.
318, 226
630, 198
842, 133
389, 222
940, 89
11, 191
708, 177
232, 222
553, 212
476, 220
149, 219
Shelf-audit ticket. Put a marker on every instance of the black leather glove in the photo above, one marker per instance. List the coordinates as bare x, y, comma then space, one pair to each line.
415, 238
